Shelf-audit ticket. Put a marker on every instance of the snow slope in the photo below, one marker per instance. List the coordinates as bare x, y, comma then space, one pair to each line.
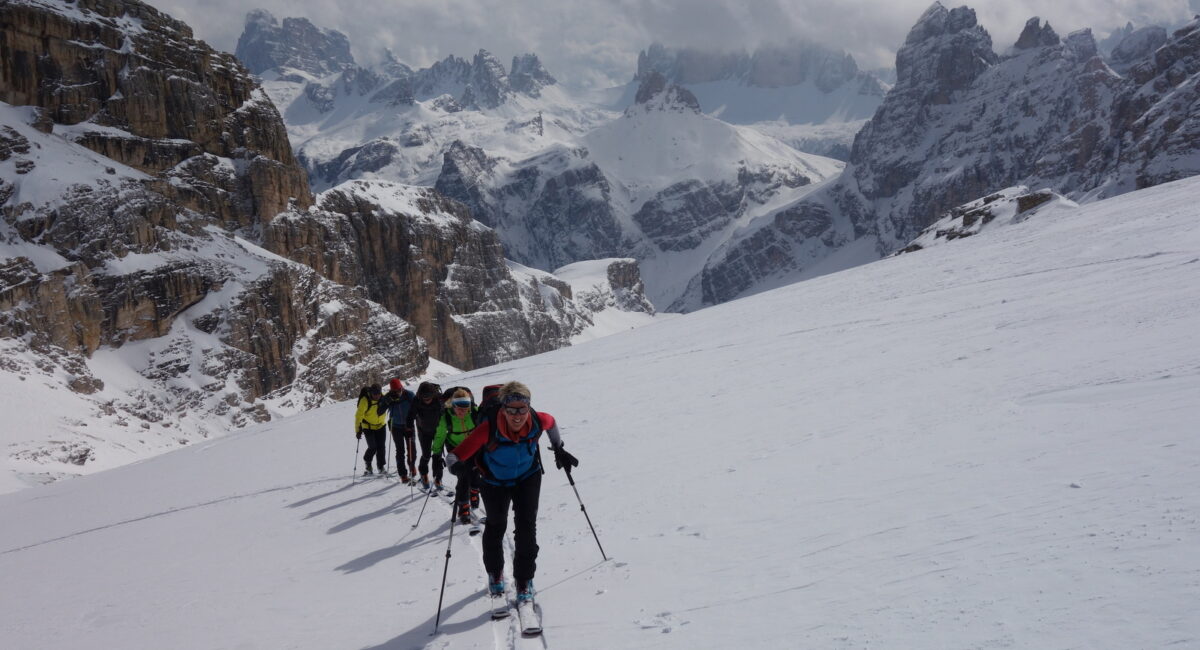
989, 443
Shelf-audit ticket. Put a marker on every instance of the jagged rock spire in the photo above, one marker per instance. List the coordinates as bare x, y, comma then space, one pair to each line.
1036, 35
655, 93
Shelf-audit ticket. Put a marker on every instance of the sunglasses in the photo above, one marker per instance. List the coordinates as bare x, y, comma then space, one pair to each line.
516, 410
461, 402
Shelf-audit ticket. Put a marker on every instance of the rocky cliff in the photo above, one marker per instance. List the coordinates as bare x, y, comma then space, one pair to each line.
963, 122
425, 259
295, 43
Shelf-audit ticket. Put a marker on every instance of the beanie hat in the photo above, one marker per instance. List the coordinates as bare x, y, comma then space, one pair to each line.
395, 384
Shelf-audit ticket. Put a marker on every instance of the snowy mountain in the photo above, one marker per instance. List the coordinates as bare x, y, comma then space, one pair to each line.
663, 183
166, 274
989, 443
296, 43
963, 122
561, 180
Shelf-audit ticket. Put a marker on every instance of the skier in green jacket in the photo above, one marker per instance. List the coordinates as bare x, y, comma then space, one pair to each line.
457, 421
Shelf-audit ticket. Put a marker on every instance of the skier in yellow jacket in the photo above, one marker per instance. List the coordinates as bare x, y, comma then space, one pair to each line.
370, 421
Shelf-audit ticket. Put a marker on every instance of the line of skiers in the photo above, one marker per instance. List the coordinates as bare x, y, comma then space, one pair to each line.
492, 449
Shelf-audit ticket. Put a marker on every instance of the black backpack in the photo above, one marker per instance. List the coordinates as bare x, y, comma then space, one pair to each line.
429, 388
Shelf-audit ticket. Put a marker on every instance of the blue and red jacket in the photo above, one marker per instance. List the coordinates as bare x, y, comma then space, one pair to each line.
507, 457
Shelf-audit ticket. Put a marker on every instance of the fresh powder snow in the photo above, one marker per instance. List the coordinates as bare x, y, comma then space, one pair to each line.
989, 443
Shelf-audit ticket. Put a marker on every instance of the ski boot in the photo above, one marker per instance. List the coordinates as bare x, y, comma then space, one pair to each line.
496, 585
525, 591
368, 472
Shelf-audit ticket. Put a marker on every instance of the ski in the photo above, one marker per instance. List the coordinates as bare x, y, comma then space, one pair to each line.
531, 620
499, 606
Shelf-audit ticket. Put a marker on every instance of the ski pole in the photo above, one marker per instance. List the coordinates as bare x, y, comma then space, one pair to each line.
354, 472
449, 541
567, 469
422, 513
387, 462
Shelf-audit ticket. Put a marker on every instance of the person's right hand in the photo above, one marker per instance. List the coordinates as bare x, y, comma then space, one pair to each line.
358, 435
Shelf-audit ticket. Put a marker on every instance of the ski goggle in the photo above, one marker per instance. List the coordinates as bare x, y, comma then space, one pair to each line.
461, 402
516, 410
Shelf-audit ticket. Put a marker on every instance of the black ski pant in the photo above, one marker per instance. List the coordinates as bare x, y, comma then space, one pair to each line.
524, 500
376, 439
426, 439
404, 442
468, 479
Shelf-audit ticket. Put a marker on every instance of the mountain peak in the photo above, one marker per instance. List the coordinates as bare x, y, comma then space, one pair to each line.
528, 76
1036, 35
939, 21
944, 52
655, 93
487, 85
296, 43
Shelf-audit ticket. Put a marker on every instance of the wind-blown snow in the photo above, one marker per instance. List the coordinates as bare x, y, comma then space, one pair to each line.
990, 443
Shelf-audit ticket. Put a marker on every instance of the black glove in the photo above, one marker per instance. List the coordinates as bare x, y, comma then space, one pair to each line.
563, 459
358, 435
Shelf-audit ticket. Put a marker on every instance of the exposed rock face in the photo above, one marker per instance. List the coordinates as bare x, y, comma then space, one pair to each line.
487, 83
296, 44
422, 257
1010, 205
566, 212
962, 123
1137, 46
151, 96
528, 76
1036, 35
655, 93
618, 285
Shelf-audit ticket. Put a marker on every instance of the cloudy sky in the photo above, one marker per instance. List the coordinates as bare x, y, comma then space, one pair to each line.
595, 42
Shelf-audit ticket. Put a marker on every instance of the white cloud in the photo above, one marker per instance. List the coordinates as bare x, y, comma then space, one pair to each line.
597, 41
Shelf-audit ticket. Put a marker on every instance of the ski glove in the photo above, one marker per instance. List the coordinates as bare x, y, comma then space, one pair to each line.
358, 435
563, 459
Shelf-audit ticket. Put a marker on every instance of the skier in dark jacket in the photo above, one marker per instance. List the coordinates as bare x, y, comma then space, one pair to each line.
504, 449
426, 413
398, 403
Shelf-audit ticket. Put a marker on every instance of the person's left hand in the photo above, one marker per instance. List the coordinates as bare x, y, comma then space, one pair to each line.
564, 459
